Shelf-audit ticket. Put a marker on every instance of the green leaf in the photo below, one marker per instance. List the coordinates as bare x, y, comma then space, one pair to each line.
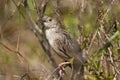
104, 49
111, 76
72, 60
87, 29
115, 36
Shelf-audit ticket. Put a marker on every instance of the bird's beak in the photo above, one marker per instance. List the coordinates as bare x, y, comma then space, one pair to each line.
44, 19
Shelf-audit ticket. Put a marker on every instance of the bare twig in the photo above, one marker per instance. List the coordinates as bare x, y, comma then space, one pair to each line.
25, 75
14, 51
4, 23
92, 40
108, 9
55, 70
33, 24
58, 68
18, 42
42, 7
18, 7
112, 62
101, 27
57, 12
1, 34
39, 32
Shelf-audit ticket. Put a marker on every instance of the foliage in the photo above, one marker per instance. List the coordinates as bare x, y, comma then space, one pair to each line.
94, 24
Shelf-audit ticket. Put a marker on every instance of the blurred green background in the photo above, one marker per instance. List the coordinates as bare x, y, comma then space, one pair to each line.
81, 18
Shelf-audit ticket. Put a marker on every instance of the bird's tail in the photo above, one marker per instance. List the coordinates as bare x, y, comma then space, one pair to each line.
77, 70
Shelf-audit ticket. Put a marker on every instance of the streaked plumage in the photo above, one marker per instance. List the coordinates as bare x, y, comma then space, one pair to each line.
61, 41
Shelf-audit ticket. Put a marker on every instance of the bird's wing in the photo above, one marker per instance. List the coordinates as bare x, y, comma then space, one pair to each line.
72, 46
65, 44
62, 48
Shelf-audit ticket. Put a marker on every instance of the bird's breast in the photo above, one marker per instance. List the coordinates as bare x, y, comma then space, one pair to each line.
51, 35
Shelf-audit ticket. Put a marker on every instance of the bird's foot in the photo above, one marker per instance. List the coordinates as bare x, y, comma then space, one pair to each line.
62, 66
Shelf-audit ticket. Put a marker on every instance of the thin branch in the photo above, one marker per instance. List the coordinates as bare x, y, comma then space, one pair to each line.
112, 62
41, 8
92, 40
58, 68
40, 32
57, 12
18, 7
55, 70
108, 9
33, 24
14, 51
18, 42
25, 75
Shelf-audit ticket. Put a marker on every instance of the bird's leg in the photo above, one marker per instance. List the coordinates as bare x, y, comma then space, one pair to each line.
63, 64
62, 68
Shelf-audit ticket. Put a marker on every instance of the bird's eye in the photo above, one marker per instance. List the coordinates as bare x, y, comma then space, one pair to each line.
50, 19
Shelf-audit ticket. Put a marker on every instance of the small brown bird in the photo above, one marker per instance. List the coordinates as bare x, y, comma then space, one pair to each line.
64, 45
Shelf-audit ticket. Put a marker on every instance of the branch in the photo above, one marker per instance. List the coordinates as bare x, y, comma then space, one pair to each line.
59, 68
33, 24
112, 62
40, 32
14, 51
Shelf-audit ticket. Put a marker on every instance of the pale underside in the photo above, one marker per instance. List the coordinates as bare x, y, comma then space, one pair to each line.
63, 43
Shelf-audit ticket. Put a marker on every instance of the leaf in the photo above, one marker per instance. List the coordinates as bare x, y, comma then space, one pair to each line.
111, 76
72, 60
115, 36
105, 47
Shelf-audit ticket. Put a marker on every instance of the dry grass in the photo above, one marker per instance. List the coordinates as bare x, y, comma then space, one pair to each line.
95, 24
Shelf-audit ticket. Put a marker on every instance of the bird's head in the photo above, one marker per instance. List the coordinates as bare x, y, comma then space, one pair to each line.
49, 22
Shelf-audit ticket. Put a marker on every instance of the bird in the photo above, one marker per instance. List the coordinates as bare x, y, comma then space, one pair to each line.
64, 45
